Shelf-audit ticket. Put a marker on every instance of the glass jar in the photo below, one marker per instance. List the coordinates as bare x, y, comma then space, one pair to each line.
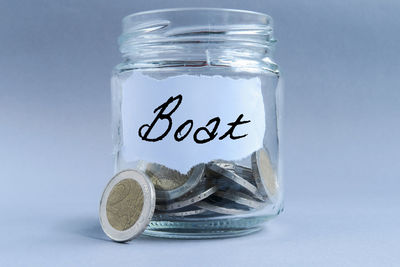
195, 108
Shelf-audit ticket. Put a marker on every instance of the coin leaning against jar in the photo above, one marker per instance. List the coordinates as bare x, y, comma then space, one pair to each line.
127, 205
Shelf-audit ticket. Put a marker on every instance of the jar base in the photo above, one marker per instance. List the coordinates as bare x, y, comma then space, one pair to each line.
206, 228
201, 234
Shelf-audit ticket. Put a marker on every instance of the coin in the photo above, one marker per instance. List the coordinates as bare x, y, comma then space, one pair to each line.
127, 205
171, 184
219, 209
242, 171
225, 172
192, 197
245, 172
240, 198
182, 213
264, 175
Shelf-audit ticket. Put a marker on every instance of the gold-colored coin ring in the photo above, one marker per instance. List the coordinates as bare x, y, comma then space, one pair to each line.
127, 205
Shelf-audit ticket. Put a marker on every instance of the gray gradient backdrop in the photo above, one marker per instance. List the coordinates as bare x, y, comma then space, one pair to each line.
341, 64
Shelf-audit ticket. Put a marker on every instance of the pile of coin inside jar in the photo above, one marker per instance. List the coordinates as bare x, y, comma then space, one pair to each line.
213, 189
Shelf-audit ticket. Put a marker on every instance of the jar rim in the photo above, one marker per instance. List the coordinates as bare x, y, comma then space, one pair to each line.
186, 9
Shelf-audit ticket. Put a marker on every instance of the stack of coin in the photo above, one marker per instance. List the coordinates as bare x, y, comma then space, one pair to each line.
217, 188
213, 189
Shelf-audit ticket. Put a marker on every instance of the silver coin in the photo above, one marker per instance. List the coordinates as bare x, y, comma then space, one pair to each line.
127, 205
235, 178
192, 197
184, 213
241, 199
242, 171
170, 184
219, 209
265, 175
245, 172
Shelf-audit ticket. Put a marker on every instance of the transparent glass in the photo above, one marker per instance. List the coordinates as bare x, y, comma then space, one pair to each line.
231, 183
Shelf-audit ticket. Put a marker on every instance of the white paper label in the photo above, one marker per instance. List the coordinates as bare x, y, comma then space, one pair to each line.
235, 105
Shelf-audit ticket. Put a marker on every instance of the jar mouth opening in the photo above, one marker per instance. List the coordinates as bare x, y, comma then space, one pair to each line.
195, 9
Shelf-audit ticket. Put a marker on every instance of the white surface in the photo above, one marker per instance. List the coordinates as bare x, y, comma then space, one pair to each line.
311, 232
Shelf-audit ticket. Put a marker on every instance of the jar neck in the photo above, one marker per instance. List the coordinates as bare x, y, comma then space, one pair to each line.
198, 38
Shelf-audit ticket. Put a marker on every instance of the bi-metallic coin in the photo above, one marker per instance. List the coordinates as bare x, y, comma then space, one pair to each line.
127, 205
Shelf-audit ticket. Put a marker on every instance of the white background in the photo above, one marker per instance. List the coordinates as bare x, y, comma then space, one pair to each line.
340, 144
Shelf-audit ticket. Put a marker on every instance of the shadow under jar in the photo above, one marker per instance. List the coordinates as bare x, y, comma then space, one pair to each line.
195, 108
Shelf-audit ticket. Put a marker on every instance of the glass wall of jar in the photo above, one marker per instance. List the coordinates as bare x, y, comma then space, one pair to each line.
195, 108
